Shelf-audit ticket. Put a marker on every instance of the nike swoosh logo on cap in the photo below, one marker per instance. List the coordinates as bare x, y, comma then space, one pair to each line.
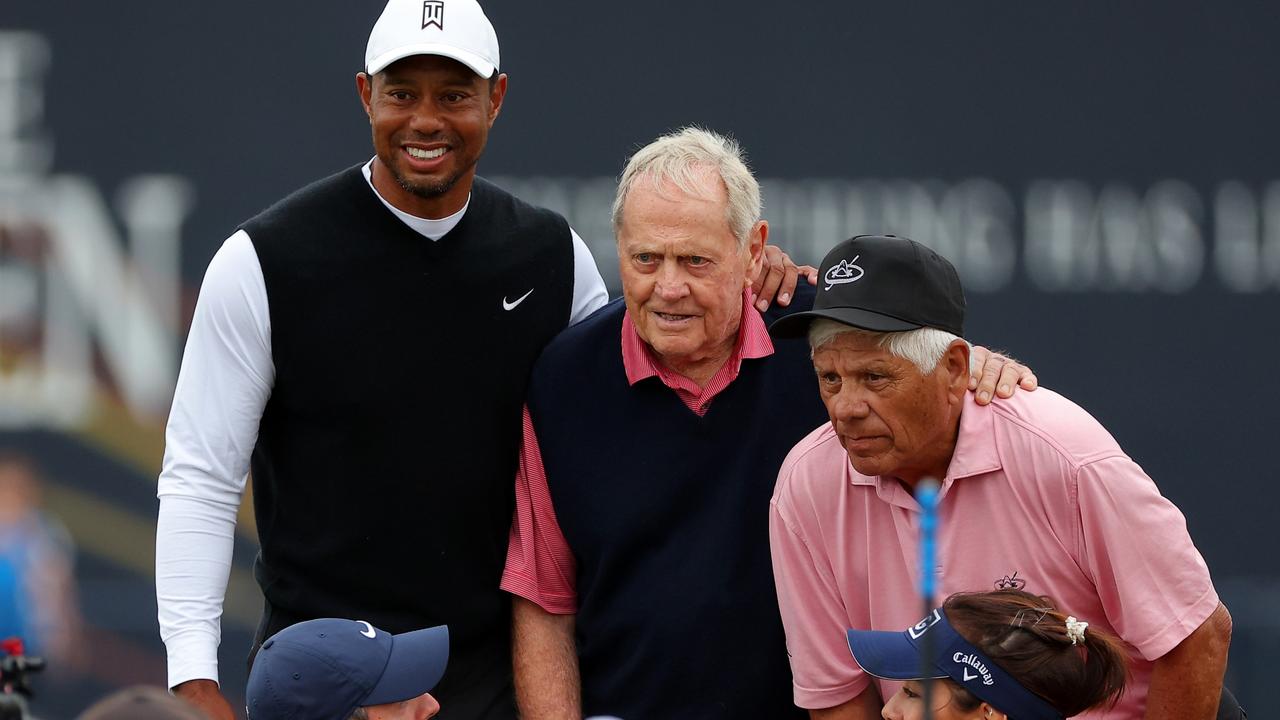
512, 305
367, 633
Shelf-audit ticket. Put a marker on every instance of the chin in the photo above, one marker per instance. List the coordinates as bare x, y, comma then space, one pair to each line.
672, 351
426, 187
669, 343
870, 467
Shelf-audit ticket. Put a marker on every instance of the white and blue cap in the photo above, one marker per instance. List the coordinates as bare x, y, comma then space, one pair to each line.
901, 656
456, 29
324, 669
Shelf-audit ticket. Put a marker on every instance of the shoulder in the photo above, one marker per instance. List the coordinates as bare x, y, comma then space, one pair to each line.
318, 196
600, 330
792, 350
234, 275
518, 212
1045, 421
583, 362
234, 258
809, 467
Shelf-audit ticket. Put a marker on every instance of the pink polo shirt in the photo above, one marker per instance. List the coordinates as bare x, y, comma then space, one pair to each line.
540, 565
1037, 496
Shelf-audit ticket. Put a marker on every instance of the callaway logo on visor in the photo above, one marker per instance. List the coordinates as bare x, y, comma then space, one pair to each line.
972, 661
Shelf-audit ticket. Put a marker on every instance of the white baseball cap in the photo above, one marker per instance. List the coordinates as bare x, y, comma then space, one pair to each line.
456, 29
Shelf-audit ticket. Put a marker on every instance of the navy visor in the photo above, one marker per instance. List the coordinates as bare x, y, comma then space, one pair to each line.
897, 656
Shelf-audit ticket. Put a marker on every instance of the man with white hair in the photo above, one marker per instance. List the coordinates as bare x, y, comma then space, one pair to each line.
364, 346
1035, 495
652, 436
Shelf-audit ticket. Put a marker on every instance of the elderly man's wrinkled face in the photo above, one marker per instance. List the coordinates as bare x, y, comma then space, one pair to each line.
891, 419
684, 271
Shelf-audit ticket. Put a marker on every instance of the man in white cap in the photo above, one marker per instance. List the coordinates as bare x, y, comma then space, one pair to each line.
364, 346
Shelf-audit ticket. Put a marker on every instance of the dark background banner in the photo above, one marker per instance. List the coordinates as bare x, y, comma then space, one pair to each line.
1105, 175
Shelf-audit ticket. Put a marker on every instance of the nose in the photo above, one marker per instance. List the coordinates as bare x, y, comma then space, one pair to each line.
850, 403
671, 283
426, 118
430, 706
892, 709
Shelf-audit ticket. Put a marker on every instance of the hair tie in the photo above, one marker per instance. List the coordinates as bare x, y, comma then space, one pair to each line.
1075, 630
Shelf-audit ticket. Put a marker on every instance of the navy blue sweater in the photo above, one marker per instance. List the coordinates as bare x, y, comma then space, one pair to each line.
667, 516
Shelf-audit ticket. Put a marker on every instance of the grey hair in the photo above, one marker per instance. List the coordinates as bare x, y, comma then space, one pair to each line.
680, 157
922, 347
359, 714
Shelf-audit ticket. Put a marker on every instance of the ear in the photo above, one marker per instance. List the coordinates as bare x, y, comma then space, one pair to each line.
364, 87
986, 712
756, 239
496, 95
956, 364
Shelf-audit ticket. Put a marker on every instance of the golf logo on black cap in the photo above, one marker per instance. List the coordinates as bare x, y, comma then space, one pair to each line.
845, 272
909, 286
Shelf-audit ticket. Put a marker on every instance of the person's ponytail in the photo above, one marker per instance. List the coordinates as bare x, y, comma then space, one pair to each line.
1073, 668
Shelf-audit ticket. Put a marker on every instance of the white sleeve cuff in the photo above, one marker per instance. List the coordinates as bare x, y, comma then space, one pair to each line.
193, 655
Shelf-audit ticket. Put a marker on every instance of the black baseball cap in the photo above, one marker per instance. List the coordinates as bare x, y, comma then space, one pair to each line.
883, 283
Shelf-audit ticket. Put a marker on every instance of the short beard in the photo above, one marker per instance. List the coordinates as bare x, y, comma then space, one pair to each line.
428, 191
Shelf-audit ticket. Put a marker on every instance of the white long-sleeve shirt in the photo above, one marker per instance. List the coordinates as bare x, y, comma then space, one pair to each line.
226, 378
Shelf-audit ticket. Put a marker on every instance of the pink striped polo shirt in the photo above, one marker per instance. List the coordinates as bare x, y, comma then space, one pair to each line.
1038, 496
540, 566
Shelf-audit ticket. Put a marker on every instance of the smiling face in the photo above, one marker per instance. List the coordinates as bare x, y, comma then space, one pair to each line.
892, 419
908, 704
684, 271
430, 117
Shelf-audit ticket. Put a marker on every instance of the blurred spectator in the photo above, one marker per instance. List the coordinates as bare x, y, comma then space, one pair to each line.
141, 702
37, 590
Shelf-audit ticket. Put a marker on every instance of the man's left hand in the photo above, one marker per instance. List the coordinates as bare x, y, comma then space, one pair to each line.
778, 277
992, 372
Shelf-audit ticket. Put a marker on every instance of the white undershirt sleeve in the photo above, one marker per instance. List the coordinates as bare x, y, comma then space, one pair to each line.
589, 291
222, 388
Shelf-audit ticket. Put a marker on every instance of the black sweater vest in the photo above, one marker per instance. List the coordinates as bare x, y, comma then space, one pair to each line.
667, 516
386, 456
